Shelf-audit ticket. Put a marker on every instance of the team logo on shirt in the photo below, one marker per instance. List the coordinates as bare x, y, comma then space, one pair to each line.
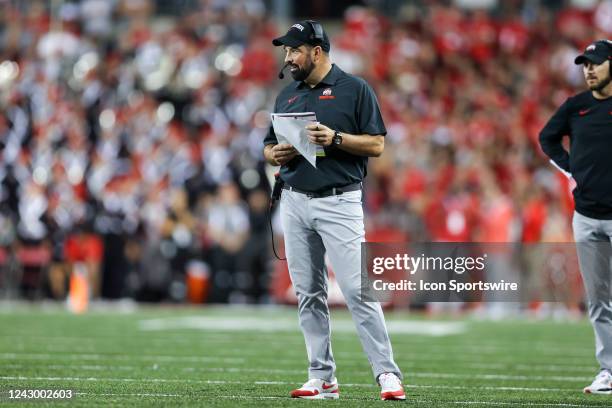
292, 99
583, 112
327, 94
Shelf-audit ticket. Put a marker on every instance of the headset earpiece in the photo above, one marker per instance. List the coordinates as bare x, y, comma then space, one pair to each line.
317, 30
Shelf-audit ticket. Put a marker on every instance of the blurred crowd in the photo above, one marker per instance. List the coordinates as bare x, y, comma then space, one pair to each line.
131, 141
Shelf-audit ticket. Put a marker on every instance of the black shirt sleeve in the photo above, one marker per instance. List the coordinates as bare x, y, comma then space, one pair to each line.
369, 118
271, 136
552, 135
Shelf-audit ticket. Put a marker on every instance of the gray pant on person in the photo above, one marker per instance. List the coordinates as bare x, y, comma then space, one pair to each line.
593, 240
334, 224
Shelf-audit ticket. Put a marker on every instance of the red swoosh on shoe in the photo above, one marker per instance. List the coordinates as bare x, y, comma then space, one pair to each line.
393, 395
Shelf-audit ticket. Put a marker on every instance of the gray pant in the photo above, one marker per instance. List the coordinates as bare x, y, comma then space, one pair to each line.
312, 227
593, 241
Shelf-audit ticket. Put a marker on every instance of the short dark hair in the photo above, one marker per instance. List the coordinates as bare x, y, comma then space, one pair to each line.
311, 46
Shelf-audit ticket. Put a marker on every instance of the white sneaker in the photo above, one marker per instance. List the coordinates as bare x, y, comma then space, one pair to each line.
601, 385
391, 387
317, 389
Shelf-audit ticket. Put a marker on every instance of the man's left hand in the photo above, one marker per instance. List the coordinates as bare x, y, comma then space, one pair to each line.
320, 134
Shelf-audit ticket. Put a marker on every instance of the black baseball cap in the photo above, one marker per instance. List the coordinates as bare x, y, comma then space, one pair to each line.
597, 53
303, 33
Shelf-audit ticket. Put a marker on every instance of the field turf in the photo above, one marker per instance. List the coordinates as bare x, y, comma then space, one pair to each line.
227, 357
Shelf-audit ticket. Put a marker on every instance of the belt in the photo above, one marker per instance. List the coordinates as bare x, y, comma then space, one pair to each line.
325, 193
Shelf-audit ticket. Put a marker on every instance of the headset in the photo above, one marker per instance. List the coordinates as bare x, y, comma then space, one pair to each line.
609, 44
317, 31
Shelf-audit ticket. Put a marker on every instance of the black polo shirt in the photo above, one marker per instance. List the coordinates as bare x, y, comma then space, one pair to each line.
588, 122
342, 102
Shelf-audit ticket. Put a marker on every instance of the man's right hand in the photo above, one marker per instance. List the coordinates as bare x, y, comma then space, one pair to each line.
282, 153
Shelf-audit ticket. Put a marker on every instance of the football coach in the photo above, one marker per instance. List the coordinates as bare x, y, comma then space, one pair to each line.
587, 119
321, 210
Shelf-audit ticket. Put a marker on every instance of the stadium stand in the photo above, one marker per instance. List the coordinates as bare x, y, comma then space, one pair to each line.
131, 140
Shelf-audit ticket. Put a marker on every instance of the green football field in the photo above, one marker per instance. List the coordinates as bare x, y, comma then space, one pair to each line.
213, 356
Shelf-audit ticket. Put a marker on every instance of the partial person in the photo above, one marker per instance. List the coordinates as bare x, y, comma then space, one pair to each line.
587, 119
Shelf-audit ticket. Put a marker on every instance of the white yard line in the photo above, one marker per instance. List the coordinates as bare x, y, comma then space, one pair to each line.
265, 324
86, 367
524, 404
444, 359
485, 376
342, 397
241, 353
272, 348
108, 394
509, 360
180, 359
255, 397
273, 338
288, 383
504, 377
273, 341
482, 376
126, 357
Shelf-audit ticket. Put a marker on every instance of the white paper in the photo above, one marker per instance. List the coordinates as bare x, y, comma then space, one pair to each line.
290, 128
565, 173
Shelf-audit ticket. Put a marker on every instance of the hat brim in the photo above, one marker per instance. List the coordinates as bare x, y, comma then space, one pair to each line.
287, 40
595, 59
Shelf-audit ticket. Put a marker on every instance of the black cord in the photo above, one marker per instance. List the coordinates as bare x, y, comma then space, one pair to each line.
270, 208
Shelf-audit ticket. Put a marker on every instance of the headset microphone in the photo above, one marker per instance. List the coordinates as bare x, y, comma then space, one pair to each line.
280, 74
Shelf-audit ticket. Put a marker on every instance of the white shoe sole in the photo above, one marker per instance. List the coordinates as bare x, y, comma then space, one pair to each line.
329, 395
393, 397
597, 392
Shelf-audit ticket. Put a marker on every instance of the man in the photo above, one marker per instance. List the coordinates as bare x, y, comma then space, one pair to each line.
587, 119
321, 208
